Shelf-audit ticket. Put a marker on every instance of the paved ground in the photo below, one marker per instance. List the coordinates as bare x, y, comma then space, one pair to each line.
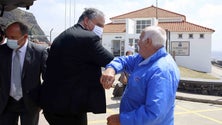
186, 113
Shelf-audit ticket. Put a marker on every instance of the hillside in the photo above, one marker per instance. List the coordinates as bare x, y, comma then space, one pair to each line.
25, 17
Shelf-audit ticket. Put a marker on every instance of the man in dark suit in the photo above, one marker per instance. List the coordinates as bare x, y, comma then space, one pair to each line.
72, 87
22, 63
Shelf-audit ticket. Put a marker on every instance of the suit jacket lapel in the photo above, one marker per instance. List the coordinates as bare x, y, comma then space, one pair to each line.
27, 59
9, 68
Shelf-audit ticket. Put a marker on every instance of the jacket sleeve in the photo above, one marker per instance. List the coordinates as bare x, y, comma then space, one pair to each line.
98, 54
43, 61
124, 63
159, 100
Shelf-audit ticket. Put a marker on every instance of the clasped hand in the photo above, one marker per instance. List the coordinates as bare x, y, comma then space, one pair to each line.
107, 78
113, 120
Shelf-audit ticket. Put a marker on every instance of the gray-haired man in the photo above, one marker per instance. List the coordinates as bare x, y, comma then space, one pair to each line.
72, 87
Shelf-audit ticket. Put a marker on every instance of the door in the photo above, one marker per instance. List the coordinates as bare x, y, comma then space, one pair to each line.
118, 47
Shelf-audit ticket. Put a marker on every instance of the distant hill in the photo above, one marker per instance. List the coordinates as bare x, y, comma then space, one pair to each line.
27, 18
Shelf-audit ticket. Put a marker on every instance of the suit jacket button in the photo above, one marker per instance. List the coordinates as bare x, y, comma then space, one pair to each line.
27, 91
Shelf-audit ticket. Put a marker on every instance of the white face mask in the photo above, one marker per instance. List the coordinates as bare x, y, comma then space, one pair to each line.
13, 44
98, 31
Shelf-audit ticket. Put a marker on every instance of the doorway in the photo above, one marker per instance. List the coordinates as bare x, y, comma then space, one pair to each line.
118, 47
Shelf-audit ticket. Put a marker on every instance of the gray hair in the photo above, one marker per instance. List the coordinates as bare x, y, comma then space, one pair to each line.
156, 34
91, 13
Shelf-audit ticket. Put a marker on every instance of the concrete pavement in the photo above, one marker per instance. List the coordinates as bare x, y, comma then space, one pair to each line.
199, 98
186, 112
205, 100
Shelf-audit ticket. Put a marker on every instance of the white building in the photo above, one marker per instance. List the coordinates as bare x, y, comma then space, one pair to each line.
189, 43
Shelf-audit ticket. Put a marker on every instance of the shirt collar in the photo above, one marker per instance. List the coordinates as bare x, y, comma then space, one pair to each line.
23, 48
4, 42
145, 61
81, 25
159, 53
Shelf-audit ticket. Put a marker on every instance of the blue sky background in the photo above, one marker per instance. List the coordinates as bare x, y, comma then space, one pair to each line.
59, 16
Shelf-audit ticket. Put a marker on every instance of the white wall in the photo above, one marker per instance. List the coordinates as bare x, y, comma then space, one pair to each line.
107, 39
200, 52
130, 26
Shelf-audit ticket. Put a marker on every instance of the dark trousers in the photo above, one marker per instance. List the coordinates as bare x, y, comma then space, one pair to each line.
16, 109
56, 119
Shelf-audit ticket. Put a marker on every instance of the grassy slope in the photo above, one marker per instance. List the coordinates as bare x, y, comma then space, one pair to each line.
188, 73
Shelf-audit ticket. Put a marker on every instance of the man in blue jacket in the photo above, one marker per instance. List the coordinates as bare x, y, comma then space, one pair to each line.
149, 98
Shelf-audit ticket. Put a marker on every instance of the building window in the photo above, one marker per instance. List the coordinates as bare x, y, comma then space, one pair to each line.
190, 36
201, 36
180, 36
141, 24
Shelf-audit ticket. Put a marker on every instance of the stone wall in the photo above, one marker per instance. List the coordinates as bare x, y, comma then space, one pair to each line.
201, 86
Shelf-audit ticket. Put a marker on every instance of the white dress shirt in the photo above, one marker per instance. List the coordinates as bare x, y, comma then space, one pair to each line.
21, 54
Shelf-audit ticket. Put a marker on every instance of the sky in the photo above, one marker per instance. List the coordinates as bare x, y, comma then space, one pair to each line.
57, 15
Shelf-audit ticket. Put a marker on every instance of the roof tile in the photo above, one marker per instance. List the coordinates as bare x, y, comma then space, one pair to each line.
150, 12
172, 26
184, 27
115, 28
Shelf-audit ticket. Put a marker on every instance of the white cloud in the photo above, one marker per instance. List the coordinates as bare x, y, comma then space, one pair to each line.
211, 16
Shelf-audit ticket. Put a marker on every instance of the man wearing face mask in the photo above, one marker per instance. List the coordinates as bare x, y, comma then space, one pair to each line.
22, 63
72, 87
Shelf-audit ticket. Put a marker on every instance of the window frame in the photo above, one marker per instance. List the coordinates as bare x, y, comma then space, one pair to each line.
191, 36
202, 36
180, 36
141, 24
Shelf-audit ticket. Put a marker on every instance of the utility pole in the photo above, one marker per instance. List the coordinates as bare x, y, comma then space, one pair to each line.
65, 14
50, 37
74, 11
70, 12
157, 9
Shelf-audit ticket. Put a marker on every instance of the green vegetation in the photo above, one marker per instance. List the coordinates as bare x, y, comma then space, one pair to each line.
188, 73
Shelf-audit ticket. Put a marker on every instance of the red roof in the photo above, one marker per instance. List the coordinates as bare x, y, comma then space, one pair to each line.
184, 27
173, 27
150, 12
115, 28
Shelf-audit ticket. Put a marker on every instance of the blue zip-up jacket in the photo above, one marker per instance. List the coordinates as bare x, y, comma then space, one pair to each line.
149, 98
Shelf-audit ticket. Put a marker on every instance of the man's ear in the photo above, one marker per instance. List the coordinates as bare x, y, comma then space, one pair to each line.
148, 42
26, 36
86, 21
